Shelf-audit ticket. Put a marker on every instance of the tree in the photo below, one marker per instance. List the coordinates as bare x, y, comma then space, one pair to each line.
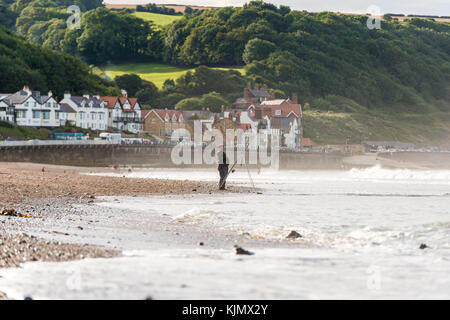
257, 49
132, 83
189, 104
148, 94
213, 101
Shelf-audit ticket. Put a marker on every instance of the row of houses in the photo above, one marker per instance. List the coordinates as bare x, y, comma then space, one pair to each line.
31, 109
257, 111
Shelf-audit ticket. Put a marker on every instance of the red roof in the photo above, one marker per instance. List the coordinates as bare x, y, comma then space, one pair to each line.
144, 113
163, 112
280, 108
111, 101
307, 142
280, 111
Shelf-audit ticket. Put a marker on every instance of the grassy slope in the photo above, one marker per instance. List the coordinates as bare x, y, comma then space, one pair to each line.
154, 72
158, 19
427, 129
22, 133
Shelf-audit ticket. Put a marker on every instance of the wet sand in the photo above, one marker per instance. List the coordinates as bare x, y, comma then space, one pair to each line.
66, 224
22, 182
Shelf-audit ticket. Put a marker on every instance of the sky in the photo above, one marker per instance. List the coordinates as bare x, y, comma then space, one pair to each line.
427, 7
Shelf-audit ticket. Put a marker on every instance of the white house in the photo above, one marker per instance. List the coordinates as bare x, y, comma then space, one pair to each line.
67, 115
33, 110
124, 113
92, 113
6, 109
131, 119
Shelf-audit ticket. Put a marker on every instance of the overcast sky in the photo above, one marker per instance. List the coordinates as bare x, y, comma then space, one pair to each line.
428, 7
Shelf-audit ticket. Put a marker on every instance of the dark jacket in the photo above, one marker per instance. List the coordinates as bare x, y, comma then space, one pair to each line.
223, 160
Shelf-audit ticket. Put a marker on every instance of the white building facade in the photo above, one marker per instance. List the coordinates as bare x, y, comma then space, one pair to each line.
92, 113
33, 110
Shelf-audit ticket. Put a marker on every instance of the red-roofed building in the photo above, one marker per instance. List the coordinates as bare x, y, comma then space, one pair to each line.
282, 116
124, 113
162, 122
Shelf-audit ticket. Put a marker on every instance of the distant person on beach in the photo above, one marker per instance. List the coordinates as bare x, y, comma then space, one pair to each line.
223, 169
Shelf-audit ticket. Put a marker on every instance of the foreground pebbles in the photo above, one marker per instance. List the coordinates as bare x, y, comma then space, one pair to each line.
19, 248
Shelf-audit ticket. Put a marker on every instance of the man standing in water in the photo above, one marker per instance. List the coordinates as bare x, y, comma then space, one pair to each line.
223, 169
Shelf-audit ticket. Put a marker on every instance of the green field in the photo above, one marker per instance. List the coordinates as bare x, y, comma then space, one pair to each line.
154, 72
158, 19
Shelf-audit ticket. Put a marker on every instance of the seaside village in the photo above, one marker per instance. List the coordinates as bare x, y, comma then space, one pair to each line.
257, 110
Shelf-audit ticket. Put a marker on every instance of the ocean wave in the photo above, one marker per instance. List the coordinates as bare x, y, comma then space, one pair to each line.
379, 173
196, 215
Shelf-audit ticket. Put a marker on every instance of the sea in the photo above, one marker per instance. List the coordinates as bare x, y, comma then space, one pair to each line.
370, 233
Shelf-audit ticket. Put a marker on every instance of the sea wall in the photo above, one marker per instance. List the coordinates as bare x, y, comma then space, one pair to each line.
154, 156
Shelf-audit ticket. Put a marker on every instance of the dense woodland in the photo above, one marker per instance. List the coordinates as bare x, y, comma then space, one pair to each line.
334, 62
43, 69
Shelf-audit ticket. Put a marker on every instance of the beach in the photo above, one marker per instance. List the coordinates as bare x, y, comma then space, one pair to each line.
361, 233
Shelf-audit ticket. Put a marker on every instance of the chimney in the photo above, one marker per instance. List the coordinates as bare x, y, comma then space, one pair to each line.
256, 86
97, 96
272, 95
238, 117
27, 89
67, 95
265, 87
249, 86
222, 108
124, 93
294, 98
50, 93
86, 96
246, 91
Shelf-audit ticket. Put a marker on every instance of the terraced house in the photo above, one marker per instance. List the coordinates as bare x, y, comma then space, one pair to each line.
124, 113
6, 109
92, 113
29, 109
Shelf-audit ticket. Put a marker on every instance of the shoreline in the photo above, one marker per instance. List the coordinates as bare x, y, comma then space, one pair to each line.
181, 244
67, 224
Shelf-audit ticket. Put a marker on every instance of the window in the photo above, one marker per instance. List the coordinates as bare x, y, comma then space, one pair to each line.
57, 115
93, 116
36, 114
45, 115
153, 121
26, 104
54, 105
278, 112
21, 113
48, 105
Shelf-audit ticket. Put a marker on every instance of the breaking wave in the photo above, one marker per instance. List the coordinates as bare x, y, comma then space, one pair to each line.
378, 173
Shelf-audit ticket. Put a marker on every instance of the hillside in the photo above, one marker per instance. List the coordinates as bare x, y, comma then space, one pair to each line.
154, 72
330, 60
44, 69
340, 127
157, 18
